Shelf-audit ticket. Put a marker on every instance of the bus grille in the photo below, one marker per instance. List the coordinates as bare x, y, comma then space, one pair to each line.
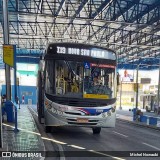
72, 113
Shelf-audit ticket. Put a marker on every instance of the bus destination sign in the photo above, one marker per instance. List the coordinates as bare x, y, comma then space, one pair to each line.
93, 52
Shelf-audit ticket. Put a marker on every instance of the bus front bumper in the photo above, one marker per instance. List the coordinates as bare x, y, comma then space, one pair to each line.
52, 119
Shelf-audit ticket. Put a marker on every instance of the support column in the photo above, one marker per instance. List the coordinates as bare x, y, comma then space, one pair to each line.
137, 87
159, 86
15, 75
6, 41
120, 107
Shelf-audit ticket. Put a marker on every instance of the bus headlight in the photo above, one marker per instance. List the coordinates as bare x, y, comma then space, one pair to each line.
60, 112
103, 115
54, 110
109, 113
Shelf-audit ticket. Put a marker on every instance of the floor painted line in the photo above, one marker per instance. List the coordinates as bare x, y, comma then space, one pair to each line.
107, 155
21, 129
151, 146
74, 146
53, 140
120, 134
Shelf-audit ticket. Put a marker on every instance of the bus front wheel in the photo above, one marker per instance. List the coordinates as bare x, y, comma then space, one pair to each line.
96, 130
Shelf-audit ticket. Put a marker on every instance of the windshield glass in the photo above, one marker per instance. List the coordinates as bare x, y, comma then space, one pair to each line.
99, 81
80, 79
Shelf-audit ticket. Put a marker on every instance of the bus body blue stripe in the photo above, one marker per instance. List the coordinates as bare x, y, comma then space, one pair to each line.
94, 111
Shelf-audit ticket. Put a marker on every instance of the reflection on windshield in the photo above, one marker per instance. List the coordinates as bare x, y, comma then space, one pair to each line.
69, 78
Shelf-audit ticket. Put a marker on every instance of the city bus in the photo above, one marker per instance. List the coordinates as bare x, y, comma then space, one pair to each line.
77, 86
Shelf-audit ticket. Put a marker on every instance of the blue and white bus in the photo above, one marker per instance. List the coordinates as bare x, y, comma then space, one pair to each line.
77, 86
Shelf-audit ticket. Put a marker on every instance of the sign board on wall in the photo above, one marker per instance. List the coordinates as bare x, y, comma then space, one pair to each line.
8, 54
126, 75
145, 80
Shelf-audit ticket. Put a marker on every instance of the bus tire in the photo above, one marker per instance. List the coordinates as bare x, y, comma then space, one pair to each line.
48, 129
96, 130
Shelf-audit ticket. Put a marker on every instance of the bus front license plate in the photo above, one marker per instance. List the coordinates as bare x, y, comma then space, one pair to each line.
82, 120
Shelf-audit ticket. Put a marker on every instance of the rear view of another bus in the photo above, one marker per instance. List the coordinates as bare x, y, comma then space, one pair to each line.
77, 86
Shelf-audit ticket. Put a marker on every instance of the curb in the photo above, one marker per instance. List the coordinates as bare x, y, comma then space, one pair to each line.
139, 124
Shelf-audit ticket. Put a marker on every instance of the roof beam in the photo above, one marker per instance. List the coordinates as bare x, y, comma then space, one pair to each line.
83, 3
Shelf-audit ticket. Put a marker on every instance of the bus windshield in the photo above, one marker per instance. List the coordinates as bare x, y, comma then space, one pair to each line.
80, 79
